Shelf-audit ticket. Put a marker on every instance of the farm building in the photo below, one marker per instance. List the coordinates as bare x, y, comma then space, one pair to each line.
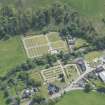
81, 64
52, 89
71, 44
102, 75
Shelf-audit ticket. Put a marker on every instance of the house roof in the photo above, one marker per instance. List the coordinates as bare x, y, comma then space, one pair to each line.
102, 75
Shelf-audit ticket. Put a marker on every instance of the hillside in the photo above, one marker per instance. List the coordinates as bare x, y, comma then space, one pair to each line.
94, 8
36, 40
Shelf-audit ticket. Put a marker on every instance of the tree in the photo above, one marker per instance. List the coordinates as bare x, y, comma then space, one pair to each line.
30, 63
6, 93
6, 11
25, 66
23, 76
33, 83
23, 23
51, 59
8, 100
60, 55
17, 101
87, 88
37, 99
58, 12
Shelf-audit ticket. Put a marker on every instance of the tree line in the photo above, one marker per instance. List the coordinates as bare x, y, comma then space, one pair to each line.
57, 17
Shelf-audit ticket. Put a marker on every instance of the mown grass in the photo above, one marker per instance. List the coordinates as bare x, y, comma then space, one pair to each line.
11, 54
81, 98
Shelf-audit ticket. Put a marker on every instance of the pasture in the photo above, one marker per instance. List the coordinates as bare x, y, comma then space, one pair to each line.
82, 98
11, 54
39, 45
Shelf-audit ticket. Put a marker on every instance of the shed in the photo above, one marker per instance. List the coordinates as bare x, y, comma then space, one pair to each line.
102, 76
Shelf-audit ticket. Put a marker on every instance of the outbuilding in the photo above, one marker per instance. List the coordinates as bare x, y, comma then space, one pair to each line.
102, 76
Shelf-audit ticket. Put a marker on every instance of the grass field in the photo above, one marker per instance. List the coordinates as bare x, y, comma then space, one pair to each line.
11, 54
94, 8
81, 98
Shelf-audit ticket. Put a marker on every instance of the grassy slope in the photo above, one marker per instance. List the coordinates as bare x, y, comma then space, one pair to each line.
81, 98
11, 54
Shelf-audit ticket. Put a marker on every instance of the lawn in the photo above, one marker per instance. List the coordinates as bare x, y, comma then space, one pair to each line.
11, 54
81, 98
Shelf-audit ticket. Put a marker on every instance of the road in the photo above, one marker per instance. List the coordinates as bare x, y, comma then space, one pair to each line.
62, 92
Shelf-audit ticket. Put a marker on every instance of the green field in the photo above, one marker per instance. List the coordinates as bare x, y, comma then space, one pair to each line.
81, 98
11, 54
94, 8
